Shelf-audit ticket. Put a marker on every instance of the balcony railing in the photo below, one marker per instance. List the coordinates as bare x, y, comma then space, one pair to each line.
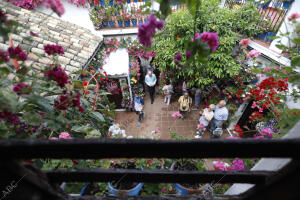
273, 10
37, 184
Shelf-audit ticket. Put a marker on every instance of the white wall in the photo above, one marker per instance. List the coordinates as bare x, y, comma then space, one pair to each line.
73, 14
285, 27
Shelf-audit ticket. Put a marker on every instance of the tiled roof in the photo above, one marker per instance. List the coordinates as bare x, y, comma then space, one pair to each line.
78, 43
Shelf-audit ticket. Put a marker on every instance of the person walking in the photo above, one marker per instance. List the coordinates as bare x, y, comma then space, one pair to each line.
185, 103
220, 116
168, 90
198, 93
206, 116
150, 81
139, 106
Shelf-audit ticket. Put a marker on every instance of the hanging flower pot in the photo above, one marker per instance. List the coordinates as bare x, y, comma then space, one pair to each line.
134, 22
128, 1
135, 1
286, 4
188, 190
102, 2
270, 34
112, 24
146, 20
111, 3
125, 189
265, 5
106, 24
127, 23
120, 23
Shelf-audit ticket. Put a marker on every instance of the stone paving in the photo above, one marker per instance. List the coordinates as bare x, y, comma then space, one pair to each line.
159, 116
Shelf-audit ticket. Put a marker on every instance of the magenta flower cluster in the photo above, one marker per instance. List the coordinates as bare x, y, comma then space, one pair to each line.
237, 164
19, 88
52, 49
211, 39
177, 58
27, 4
9, 117
59, 75
69, 100
56, 6
4, 57
147, 30
17, 53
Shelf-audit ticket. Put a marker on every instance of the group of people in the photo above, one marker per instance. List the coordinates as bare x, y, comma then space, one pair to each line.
213, 116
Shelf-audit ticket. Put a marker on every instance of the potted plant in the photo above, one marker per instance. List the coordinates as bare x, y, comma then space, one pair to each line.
126, 19
191, 188
134, 16
112, 22
124, 188
120, 20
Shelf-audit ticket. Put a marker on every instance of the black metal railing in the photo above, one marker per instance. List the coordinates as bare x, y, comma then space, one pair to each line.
41, 182
273, 13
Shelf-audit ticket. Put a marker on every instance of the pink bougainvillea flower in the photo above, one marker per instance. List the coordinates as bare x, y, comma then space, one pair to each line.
245, 42
20, 87
253, 54
52, 49
53, 138
59, 75
294, 16
178, 56
211, 39
188, 54
56, 6
147, 30
64, 135
163, 189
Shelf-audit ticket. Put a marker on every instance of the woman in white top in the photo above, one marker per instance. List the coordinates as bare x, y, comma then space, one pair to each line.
168, 89
206, 116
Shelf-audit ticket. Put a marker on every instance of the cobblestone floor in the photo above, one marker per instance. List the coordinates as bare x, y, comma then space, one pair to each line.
159, 116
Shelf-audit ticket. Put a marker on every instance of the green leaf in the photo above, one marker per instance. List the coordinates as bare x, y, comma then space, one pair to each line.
296, 61
4, 71
23, 71
77, 84
98, 116
81, 72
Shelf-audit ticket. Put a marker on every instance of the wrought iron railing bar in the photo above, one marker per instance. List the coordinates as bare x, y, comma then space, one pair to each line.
157, 176
162, 197
142, 148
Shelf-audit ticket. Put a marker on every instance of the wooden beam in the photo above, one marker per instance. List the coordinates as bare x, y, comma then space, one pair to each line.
157, 176
143, 148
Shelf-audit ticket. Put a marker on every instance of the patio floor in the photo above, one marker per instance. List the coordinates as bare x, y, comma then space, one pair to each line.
159, 116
